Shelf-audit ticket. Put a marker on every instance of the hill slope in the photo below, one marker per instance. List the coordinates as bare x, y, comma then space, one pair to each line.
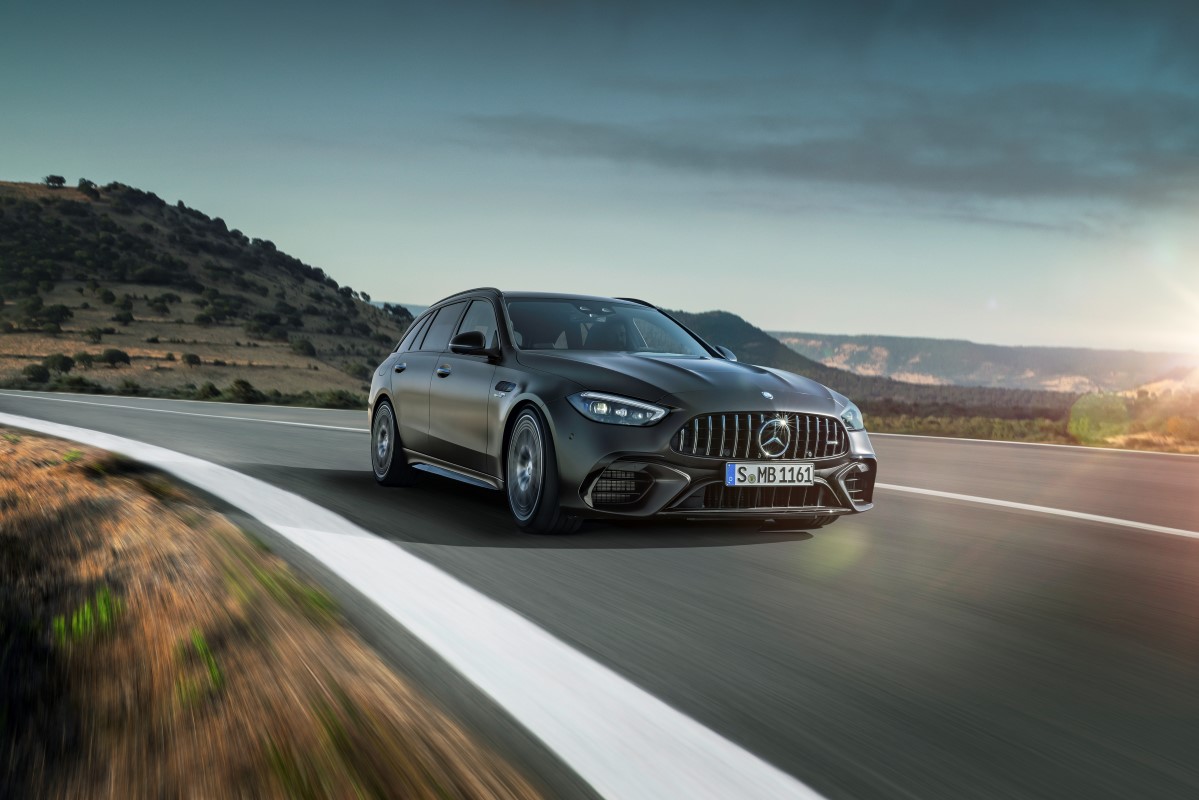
84, 271
962, 363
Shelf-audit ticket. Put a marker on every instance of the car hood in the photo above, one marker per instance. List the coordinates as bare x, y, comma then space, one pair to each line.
709, 383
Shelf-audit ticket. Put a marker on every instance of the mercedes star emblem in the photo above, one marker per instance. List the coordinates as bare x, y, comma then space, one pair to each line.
774, 437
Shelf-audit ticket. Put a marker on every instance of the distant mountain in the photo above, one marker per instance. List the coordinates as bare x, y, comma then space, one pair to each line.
876, 394
961, 363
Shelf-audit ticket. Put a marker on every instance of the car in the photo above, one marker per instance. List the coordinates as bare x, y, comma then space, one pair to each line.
598, 407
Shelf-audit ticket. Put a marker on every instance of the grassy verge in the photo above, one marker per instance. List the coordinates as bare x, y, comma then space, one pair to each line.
150, 648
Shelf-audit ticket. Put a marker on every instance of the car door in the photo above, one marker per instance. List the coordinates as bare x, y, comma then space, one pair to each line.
412, 376
460, 393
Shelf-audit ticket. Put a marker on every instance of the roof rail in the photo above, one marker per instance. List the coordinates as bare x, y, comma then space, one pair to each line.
635, 300
472, 291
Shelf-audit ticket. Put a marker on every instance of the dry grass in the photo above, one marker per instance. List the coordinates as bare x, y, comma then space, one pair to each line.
152, 649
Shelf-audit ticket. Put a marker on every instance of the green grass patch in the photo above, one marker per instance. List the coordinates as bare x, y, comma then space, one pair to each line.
96, 615
71, 456
12, 438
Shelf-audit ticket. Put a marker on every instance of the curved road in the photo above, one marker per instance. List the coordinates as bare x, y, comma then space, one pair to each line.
935, 647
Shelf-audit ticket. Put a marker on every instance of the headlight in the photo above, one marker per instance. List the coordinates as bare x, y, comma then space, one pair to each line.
851, 415
615, 409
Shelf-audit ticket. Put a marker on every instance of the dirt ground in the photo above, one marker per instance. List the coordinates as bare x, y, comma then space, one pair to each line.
149, 648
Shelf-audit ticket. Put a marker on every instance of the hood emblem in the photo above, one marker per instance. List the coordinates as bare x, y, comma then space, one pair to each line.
774, 437
768, 395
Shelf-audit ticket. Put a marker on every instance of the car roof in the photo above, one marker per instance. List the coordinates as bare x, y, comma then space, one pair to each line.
507, 295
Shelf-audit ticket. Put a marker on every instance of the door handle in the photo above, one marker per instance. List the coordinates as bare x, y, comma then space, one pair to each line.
443, 370
401, 367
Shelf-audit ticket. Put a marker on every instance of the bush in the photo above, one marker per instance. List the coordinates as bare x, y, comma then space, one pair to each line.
94, 335
242, 391
84, 360
1096, 417
112, 357
170, 357
108, 297
208, 391
191, 360
59, 362
123, 317
36, 373
303, 347
204, 320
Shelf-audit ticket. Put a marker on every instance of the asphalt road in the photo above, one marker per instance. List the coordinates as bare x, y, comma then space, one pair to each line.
930, 648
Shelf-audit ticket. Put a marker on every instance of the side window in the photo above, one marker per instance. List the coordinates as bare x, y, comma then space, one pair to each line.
413, 331
480, 317
439, 329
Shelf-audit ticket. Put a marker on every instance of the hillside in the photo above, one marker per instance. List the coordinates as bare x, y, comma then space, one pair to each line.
963, 363
144, 297
877, 395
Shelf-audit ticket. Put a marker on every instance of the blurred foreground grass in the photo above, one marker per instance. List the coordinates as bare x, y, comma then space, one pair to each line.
149, 648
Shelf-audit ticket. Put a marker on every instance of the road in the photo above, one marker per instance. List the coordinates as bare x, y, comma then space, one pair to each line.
934, 647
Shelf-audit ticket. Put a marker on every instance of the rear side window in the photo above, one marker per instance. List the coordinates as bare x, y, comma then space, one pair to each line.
480, 317
442, 325
413, 332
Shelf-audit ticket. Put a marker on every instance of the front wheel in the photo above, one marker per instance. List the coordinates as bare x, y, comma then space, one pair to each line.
387, 457
531, 477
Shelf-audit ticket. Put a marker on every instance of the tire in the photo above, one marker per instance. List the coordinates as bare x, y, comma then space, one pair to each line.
388, 463
531, 477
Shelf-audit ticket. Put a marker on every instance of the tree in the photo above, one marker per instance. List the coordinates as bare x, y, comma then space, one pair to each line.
94, 335
88, 188
59, 362
108, 297
36, 373
55, 181
123, 317
191, 359
112, 357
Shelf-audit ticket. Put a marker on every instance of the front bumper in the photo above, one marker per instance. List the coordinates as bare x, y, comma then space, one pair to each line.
630, 472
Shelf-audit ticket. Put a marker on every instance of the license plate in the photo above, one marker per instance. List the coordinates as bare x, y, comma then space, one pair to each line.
777, 473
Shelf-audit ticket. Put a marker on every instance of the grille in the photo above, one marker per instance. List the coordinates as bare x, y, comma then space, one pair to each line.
616, 487
736, 436
719, 496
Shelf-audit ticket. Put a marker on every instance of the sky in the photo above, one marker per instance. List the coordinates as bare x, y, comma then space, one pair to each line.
1016, 173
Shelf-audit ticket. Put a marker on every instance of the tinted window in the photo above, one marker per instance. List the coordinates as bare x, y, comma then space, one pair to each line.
480, 317
413, 331
581, 324
439, 329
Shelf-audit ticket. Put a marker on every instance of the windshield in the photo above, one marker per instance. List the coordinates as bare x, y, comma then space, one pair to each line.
570, 324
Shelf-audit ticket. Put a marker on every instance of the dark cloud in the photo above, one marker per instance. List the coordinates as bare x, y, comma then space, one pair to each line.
1040, 141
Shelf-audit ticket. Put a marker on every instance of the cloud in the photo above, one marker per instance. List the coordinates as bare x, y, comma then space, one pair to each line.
1026, 142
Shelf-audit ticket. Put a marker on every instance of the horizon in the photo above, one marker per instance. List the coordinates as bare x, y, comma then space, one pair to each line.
1014, 175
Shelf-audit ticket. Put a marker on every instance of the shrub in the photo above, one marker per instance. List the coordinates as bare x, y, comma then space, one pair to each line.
203, 320
242, 391
108, 297
59, 362
84, 360
304, 347
191, 359
207, 391
36, 373
94, 335
170, 356
112, 357
123, 317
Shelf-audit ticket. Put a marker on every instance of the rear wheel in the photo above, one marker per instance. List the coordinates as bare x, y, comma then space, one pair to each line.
387, 456
531, 477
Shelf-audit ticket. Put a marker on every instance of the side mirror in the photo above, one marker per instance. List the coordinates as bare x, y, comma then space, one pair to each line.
469, 343
727, 353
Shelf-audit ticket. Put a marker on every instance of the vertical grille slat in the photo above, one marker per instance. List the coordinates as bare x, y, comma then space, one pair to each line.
812, 436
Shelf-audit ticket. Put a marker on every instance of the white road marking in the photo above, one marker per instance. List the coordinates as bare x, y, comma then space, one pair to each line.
187, 413
1035, 444
619, 738
1057, 512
